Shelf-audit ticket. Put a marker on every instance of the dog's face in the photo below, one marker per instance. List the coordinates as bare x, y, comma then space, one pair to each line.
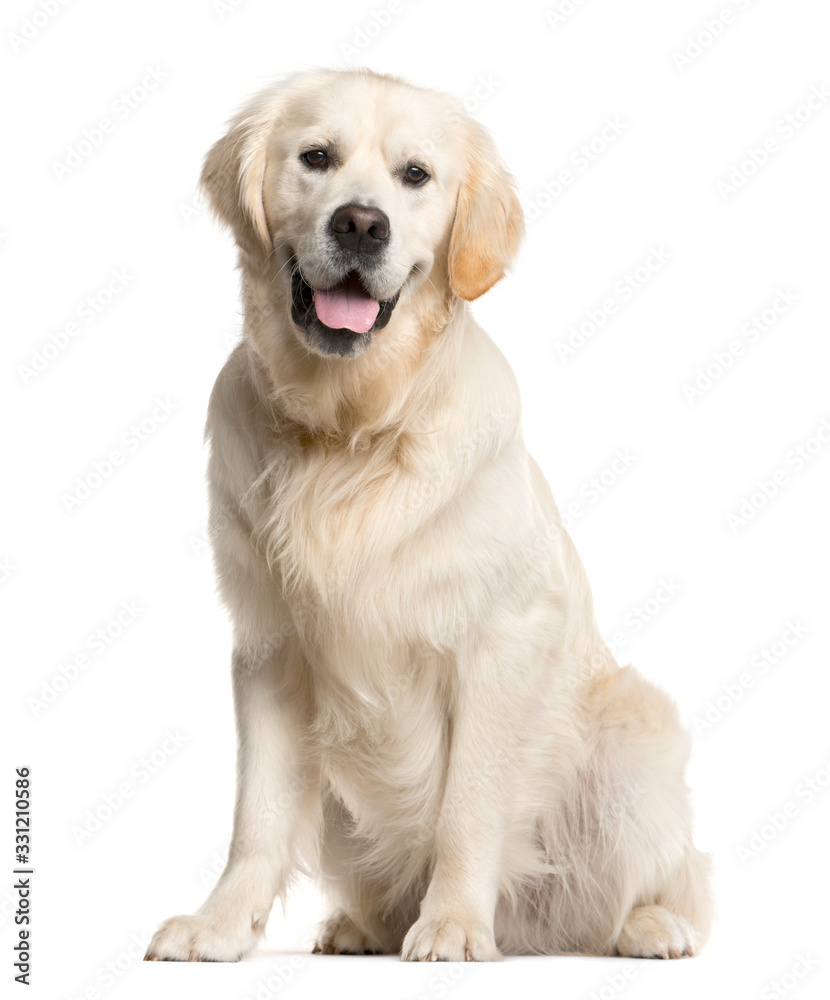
360, 202
355, 192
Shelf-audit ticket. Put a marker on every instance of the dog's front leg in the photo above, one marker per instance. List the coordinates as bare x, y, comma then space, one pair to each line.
457, 912
275, 791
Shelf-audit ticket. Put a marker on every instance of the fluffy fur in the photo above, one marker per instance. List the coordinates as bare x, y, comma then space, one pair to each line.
429, 720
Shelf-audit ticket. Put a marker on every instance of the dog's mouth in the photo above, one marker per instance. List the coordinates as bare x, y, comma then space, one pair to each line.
347, 306
341, 315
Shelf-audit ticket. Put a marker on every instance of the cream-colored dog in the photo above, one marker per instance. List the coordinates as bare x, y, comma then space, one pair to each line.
429, 720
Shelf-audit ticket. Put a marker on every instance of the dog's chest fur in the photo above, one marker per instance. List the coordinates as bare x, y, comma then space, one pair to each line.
343, 529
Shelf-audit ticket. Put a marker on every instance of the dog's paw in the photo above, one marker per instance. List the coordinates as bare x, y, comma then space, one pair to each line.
654, 932
449, 939
203, 937
340, 936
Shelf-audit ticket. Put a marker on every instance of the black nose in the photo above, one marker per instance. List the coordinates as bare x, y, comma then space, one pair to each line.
360, 228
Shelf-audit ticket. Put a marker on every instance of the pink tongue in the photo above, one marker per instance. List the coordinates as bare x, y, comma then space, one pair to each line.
347, 308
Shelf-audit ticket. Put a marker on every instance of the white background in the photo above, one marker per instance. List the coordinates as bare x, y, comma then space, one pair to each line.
545, 88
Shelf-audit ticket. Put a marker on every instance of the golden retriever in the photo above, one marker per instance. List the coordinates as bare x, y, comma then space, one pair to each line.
428, 718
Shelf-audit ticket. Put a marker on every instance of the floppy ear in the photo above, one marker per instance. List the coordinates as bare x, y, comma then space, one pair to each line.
234, 170
489, 224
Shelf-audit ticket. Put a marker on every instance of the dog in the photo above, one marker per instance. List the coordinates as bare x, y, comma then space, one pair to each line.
428, 719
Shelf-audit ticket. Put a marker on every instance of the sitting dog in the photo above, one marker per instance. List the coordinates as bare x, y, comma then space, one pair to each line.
428, 718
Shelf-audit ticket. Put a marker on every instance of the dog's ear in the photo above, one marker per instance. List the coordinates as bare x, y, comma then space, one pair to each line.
489, 224
234, 171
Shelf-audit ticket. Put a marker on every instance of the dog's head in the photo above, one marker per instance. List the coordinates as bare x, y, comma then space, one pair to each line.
353, 193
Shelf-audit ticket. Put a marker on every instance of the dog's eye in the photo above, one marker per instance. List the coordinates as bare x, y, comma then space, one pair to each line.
316, 158
415, 175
